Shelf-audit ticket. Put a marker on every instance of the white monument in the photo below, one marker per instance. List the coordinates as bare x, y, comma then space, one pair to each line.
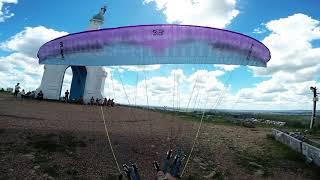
87, 81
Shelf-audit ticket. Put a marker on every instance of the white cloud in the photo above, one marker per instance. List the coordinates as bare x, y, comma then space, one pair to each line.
215, 13
30, 39
290, 43
4, 11
22, 64
278, 97
20, 68
259, 31
173, 89
294, 66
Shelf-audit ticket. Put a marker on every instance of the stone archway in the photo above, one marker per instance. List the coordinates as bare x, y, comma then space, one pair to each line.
87, 81
77, 84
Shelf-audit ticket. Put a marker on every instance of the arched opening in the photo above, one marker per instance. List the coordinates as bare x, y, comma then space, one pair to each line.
74, 81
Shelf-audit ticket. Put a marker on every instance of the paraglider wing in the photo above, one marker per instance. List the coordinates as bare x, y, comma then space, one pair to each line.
154, 44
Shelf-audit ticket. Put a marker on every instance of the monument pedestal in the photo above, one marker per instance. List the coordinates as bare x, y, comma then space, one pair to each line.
52, 80
94, 81
96, 77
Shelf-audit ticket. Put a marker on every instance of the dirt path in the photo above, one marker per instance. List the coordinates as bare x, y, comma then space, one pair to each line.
41, 140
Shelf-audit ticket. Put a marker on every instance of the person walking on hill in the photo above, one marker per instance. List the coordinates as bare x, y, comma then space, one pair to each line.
104, 102
16, 90
23, 93
92, 101
66, 96
98, 102
40, 95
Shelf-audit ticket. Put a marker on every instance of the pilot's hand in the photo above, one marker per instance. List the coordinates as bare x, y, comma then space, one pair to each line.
171, 167
131, 172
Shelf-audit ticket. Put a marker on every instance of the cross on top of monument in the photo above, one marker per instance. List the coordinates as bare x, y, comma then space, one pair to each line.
103, 10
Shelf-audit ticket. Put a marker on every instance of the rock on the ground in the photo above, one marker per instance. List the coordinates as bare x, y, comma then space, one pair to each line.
256, 165
259, 172
203, 164
69, 152
197, 160
203, 168
28, 156
309, 160
210, 176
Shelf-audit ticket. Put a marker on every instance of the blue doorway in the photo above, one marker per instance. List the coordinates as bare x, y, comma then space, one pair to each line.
79, 76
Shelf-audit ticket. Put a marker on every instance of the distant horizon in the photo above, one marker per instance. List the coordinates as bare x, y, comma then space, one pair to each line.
201, 109
198, 109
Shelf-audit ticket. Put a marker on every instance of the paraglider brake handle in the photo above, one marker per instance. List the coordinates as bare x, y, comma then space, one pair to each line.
131, 171
156, 166
172, 166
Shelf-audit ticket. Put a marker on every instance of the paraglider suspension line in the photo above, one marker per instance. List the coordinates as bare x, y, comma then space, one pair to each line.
109, 140
124, 90
114, 94
194, 143
200, 124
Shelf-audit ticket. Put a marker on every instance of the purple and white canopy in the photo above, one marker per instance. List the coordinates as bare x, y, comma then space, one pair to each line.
154, 44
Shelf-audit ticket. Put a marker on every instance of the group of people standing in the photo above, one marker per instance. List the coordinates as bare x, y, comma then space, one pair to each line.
39, 95
97, 101
29, 94
106, 102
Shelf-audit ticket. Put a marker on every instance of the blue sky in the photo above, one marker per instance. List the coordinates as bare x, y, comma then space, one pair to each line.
289, 28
